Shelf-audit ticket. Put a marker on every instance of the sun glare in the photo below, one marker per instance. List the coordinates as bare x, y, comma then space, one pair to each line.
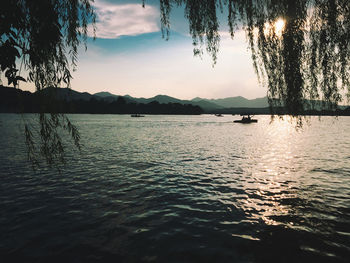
279, 26
275, 28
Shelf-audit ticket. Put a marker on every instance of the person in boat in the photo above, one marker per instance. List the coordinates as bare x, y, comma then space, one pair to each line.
248, 118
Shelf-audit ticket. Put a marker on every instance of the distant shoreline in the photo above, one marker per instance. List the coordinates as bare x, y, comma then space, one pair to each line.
72, 102
176, 114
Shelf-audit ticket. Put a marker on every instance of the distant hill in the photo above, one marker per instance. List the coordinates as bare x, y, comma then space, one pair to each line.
61, 100
206, 105
158, 98
237, 102
107, 96
224, 105
65, 94
13, 100
196, 99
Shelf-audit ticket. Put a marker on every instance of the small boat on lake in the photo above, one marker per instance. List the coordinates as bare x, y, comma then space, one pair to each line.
246, 119
137, 115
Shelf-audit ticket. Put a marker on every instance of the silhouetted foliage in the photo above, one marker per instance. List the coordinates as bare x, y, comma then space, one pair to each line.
41, 38
308, 59
300, 49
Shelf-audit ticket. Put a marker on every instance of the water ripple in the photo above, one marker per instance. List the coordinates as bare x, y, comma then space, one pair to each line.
180, 189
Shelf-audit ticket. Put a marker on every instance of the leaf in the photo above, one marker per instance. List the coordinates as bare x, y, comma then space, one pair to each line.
8, 73
20, 78
16, 52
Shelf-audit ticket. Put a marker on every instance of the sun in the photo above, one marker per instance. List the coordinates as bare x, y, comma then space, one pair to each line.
279, 26
275, 28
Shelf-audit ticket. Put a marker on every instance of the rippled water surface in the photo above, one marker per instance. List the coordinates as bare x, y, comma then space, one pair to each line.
180, 189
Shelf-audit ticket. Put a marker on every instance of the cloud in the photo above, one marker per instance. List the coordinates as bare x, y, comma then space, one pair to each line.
115, 20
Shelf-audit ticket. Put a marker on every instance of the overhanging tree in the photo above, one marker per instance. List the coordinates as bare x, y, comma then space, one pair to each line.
300, 49
40, 38
305, 60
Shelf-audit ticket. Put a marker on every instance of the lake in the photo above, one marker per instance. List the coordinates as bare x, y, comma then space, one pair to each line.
180, 189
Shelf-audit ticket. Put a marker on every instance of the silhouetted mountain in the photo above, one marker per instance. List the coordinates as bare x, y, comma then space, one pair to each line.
196, 99
231, 104
107, 96
159, 98
69, 101
206, 105
165, 99
237, 102
65, 94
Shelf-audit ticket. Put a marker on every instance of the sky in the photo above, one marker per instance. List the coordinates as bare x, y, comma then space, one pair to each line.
130, 57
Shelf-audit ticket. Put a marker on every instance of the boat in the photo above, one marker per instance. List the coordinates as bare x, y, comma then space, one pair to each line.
219, 115
137, 115
246, 119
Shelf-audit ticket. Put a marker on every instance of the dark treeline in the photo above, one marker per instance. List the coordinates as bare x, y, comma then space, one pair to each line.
18, 101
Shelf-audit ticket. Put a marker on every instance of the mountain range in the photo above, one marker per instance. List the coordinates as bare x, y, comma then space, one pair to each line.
207, 105
62, 100
104, 101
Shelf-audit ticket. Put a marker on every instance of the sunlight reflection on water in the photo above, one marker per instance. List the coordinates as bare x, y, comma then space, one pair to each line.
182, 188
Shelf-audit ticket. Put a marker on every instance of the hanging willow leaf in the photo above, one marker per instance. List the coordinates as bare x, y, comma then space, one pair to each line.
43, 36
306, 59
20, 78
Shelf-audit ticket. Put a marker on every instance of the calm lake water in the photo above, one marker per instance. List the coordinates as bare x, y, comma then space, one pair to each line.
180, 189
